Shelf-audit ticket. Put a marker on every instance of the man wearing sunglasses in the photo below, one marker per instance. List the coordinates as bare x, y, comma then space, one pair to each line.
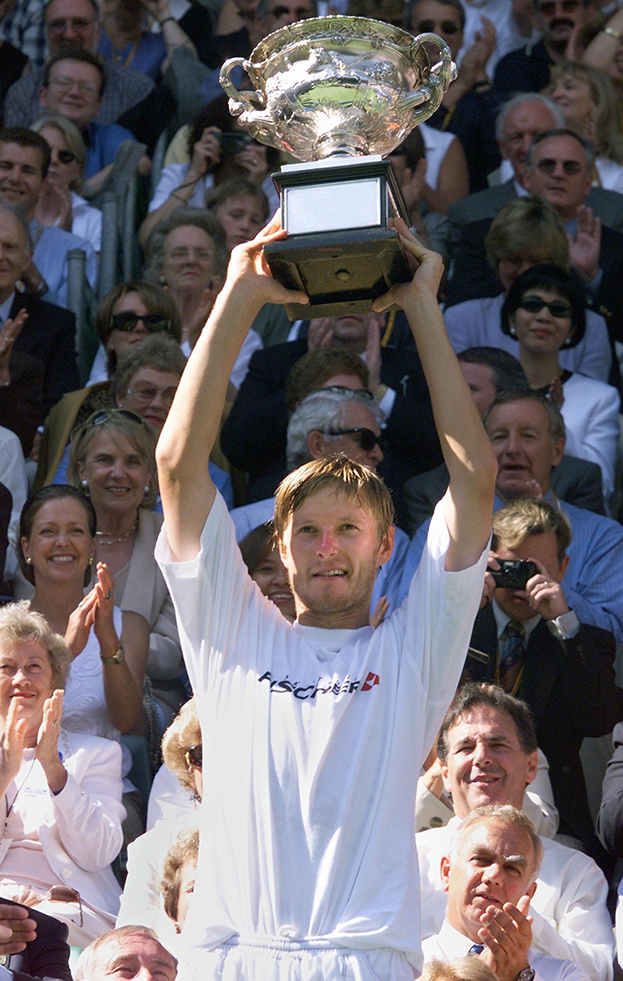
528, 69
318, 728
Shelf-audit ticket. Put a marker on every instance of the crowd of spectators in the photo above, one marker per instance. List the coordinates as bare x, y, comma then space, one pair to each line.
517, 182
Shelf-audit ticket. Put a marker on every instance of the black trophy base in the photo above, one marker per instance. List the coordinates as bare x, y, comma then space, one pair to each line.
342, 272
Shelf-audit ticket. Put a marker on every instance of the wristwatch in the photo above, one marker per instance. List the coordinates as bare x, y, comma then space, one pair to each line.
526, 975
115, 658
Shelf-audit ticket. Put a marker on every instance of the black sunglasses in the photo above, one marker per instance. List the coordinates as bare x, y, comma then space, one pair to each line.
106, 415
367, 439
127, 321
534, 304
570, 167
65, 156
194, 756
429, 27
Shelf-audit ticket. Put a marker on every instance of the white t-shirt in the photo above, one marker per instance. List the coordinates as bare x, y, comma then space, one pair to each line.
314, 739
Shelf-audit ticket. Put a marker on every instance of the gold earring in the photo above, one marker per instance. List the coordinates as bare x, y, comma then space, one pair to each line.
29, 560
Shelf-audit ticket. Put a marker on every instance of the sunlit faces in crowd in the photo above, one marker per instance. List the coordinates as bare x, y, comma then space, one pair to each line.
560, 173
524, 446
21, 176
73, 90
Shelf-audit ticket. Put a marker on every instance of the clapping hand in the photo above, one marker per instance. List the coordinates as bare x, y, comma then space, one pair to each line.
507, 935
9, 333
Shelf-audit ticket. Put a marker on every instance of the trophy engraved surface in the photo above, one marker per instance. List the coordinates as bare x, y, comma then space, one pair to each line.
339, 94
345, 85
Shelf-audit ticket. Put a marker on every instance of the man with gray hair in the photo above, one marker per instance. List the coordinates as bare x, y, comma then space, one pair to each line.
489, 873
329, 422
129, 952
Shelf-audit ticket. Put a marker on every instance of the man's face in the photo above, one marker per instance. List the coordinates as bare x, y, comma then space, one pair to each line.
71, 23
354, 445
136, 957
332, 549
559, 173
14, 253
556, 19
525, 450
352, 330
485, 763
492, 865
21, 176
431, 17
544, 549
73, 91
481, 381
521, 125
283, 12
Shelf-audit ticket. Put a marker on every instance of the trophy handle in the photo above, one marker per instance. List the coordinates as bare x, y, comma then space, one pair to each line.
428, 96
239, 101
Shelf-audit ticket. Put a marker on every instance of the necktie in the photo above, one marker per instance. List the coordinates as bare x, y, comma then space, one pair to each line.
511, 652
475, 949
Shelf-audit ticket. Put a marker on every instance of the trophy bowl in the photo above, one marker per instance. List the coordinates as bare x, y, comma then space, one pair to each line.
339, 86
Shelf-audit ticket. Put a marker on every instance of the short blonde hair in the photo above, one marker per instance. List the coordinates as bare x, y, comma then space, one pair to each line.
460, 969
21, 625
184, 732
522, 226
358, 482
184, 851
73, 139
525, 517
117, 422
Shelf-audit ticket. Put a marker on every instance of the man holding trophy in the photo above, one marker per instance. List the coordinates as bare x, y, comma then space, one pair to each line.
314, 732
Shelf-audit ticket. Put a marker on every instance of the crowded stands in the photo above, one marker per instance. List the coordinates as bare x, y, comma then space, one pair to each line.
368, 565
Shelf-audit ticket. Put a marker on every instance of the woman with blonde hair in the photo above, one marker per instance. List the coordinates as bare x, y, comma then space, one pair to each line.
588, 102
61, 203
461, 969
182, 751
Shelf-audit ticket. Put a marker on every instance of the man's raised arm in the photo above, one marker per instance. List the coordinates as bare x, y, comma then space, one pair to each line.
464, 443
191, 429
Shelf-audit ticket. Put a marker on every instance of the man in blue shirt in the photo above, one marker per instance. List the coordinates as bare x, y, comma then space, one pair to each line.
522, 430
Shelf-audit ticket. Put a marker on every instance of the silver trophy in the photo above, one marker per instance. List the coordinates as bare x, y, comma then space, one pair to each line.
339, 93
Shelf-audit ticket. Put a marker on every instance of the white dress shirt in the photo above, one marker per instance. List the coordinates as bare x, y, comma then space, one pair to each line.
449, 943
571, 920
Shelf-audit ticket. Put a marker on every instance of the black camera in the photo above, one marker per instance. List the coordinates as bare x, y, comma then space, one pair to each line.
233, 143
513, 573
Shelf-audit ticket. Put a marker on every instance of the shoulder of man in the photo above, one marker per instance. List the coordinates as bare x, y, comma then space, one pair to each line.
482, 204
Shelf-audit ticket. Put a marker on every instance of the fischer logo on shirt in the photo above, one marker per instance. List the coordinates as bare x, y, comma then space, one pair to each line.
321, 686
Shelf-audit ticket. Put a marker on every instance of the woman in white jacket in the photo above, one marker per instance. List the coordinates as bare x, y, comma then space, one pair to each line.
545, 311
60, 792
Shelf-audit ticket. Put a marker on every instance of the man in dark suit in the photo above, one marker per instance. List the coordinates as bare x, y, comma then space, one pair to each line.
490, 371
33, 946
47, 334
537, 649
518, 122
558, 169
254, 436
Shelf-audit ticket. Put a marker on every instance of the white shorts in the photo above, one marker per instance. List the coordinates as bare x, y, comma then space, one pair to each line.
287, 961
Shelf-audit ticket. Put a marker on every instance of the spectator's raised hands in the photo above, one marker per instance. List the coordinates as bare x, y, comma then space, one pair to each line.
9, 333
206, 153
585, 244
544, 594
320, 334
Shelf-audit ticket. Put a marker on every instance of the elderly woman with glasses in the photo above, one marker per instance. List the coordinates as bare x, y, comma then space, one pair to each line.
112, 458
544, 312
176, 793
61, 790
60, 202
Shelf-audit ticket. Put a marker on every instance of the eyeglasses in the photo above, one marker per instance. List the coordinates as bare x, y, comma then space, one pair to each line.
60, 24
182, 255
194, 757
127, 321
548, 7
362, 393
570, 167
146, 394
301, 12
430, 27
64, 84
65, 156
534, 304
367, 439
